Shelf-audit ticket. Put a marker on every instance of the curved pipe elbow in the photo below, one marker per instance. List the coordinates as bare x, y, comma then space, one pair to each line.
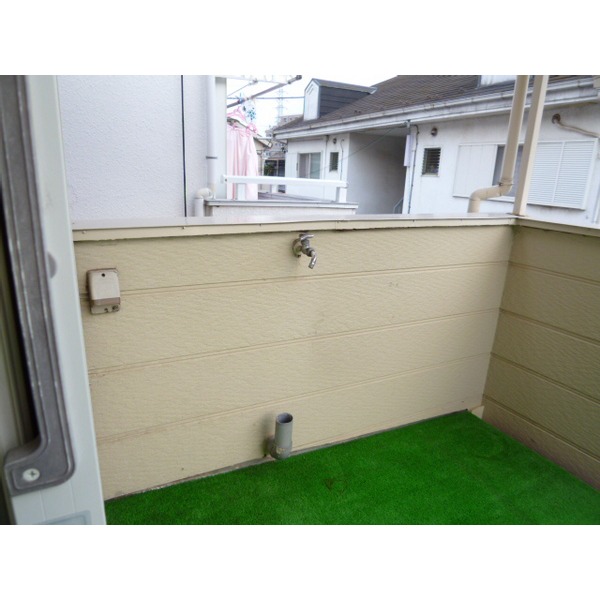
485, 193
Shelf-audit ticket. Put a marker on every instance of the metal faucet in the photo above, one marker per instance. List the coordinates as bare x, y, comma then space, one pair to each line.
301, 246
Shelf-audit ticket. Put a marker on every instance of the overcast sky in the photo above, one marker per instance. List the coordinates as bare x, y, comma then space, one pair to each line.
266, 106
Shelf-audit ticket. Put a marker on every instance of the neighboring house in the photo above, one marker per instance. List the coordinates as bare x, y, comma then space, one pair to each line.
274, 156
423, 144
140, 147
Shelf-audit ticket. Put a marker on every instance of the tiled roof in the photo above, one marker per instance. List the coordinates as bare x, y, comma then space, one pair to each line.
404, 91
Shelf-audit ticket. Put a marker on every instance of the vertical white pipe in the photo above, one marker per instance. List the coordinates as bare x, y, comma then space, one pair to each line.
211, 133
510, 151
534, 121
514, 130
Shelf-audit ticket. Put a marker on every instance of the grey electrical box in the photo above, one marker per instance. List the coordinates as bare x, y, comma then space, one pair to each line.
103, 290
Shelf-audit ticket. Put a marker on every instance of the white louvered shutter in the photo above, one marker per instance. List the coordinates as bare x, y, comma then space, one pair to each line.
561, 173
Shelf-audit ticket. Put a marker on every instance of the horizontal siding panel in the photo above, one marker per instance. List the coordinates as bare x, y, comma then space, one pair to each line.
178, 323
148, 396
155, 458
569, 457
217, 334
573, 255
543, 384
563, 303
560, 411
171, 262
568, 360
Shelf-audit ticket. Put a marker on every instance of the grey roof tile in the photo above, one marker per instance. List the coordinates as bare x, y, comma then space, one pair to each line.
404, 91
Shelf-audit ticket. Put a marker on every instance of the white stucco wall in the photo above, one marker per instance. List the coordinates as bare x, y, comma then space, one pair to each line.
371, 164
376, 172
123, 144
434, 193
323, 145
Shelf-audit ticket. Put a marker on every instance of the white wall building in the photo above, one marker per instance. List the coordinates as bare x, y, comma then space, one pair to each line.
424, 144
136, 147
142, 147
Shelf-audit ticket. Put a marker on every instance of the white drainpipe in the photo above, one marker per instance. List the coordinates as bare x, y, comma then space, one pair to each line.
211, 133
510, 151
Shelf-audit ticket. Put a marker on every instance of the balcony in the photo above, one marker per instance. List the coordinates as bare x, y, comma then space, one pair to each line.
403, 319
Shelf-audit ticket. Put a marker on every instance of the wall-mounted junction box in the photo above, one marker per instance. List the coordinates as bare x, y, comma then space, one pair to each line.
103, 290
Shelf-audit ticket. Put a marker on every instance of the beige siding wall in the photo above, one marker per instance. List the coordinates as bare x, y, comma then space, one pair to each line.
218, 334
543, 385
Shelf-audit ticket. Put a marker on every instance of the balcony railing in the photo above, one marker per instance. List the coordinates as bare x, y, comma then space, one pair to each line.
273, 183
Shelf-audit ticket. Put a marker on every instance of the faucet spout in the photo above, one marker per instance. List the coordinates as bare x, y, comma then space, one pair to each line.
301, 246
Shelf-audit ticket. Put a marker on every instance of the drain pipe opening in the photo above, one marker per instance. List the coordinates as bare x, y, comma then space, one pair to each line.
280, 446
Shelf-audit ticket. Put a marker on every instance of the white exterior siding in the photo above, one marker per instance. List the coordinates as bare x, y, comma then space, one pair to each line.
123, 143
322, 146
372, 165
376, 173
474, 141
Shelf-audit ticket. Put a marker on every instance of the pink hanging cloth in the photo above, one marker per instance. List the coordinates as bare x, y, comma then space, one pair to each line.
242, 158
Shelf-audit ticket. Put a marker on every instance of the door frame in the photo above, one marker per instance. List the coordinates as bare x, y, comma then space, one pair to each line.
53, 475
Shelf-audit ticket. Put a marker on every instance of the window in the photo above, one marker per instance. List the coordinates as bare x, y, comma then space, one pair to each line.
431, 161
561, 173
334, 158
309, 165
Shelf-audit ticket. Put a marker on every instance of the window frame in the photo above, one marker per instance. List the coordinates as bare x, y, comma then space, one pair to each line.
334, 165
306, 168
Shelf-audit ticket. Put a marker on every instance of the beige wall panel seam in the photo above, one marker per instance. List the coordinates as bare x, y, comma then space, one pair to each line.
550, 431
561, 357
563, 253
316, 278
202, 261
568, 417
101, 371
141, 461
425, 371
311, 361
495, 358
153, 328
557, 450
214, 384
532, 322
570, 306
550, 273
112, 230
116, 481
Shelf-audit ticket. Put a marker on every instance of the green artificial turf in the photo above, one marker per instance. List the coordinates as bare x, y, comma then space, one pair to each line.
454, 469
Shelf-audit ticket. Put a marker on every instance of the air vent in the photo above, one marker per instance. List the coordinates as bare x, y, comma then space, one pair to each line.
431, 161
